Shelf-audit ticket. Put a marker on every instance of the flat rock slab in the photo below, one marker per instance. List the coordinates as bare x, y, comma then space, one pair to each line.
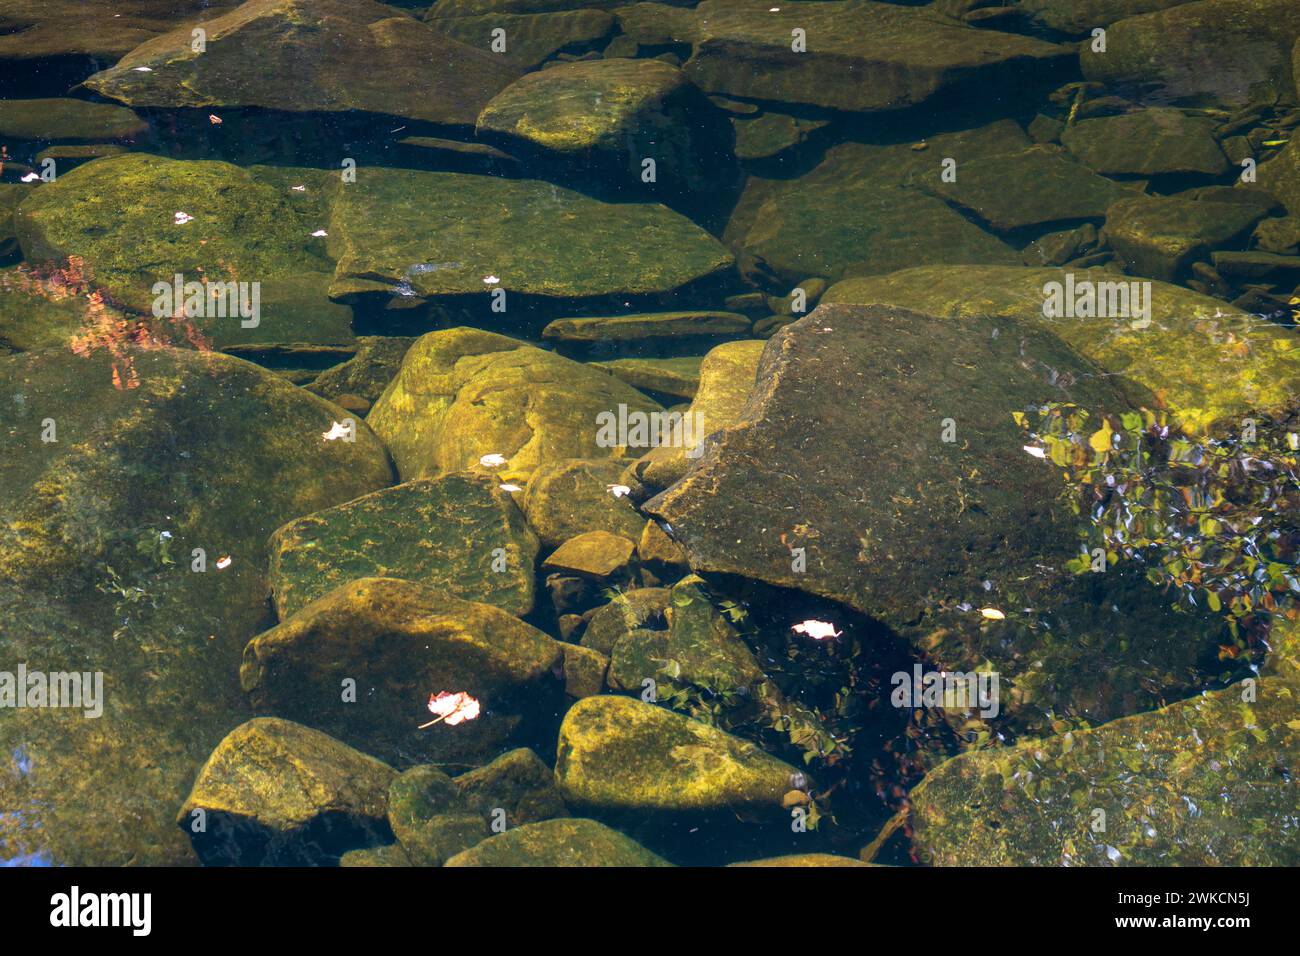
1161, 236
861, 56
103, 29
411, 233
531, 39
593, 554
679, 377
342, 56
1147, 143
68, 121
403, 643
1203, 361
1203, 782
651, 325
277, 793
460, 533
838, 451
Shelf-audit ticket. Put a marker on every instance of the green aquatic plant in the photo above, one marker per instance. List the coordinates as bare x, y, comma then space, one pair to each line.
1216, 519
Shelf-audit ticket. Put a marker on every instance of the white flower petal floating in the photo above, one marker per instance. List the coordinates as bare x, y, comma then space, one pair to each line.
31, 177
337, 430
618, 491
319, 234
182, 218
142, 69
817, 630
510, 488
1035, 451
490, 280
992, 614
223, 563
492, 461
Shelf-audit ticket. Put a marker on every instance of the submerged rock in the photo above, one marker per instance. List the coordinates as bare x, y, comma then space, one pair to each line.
651, 325
1224, 53
603, 118
1202, 782
1204, 361
593, 554
679, 377
459, 533
804, 860
1083, 16
135, 545
1147, 143
531, 39
860, 56
368, 372
518, 784
68, 121
342, 55
277, 793
570, 497
566, 842
401, 643
1160, 236
429, 234
617, 753
463, 394
101, 29
769, 134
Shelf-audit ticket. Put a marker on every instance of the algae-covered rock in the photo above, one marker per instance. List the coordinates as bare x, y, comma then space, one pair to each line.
565, 842
463, 394
594, 554
1050, 188
401, 643
862, 210
68, 121
1083, 16
1202, 782
641, 607
378, 856
517, 784
654, 325
1161, 236
859, 56
768, 134
585, 671
37, 310
570, 497
134, 544
775, 480
534, 38
1280, 176
606, 117
274, 792
244, 230
342, 54
429, 234
1202, 360
102, 29
368, 372
679, 377
1146, 143
1211, 53
617, 753
459, 533
804, 860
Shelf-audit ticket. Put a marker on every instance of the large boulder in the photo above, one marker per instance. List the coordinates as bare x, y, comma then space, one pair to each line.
1202, 782
459, 533
426, 235
1224, 53
860, 56
463, 394
604, 118
1078, 17
531, 38
343, 55
277, 793
100, 573
84, 213
400, 643
569, 497
619, 754
1205, 362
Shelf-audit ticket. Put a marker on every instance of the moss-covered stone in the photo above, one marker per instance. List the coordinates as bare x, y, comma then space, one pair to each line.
517, 783
860, 56
603, 118
274, 792
653, 325
68, 121
429, 234
1079, 17
617, 753
567, 842
462, 394
402, 643
593, 554
1150, 142
379, 856
1161, 236
641, 607
368, 372
343, 55
1178, 54
804, 860
679, 377
245, 229
585, 671
531, 39
97, 546
1202, 360
103, 29
570, 497
769, 134
459, 533
655, 546
1203, 782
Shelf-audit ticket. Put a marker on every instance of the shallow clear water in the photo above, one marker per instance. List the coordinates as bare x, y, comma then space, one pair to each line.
540, 432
